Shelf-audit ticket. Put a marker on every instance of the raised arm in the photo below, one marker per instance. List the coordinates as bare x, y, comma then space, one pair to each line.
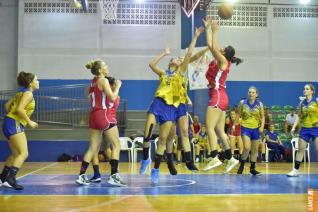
198, 55
212, 29
184, 65
104, 85
154, 63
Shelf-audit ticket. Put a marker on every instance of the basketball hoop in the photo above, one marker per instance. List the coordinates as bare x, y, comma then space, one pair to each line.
108, 9
189, 6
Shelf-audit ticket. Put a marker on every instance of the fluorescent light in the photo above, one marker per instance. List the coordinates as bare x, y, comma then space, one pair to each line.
304, 1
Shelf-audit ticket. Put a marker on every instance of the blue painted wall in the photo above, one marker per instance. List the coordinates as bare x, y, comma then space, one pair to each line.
139, 93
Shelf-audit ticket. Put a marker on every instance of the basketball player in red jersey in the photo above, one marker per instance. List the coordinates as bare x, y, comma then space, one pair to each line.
99, 122
113, 139
217, 73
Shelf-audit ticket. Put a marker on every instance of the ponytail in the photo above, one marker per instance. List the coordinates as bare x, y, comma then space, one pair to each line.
229, 53
94, 66
236, 60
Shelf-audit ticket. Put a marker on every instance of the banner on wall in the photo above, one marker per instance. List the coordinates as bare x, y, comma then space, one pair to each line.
198, 69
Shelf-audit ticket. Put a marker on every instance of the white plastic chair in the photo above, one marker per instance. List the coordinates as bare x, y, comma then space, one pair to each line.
294, 143
136, 149
267, 152
124, 141
193, 150
155, 142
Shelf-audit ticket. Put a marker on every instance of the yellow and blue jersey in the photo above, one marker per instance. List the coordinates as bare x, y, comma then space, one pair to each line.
251, 114
172, 88
309, 113
16, 101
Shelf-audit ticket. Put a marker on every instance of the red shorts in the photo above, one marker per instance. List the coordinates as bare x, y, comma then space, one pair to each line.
112, 119
219, 99
98, 120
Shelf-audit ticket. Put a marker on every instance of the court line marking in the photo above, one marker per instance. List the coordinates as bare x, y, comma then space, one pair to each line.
190, 182
37, 170
101, 204
155, 196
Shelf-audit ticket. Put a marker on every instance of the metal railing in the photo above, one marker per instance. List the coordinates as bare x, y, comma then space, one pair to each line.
65, 105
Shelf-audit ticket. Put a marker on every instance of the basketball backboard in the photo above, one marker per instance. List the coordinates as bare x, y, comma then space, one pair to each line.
188, 6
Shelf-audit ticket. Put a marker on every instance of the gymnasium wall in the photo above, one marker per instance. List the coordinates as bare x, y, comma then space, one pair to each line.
8, 43
277, 42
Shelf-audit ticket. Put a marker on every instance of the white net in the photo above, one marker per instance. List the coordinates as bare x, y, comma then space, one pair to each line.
108, 9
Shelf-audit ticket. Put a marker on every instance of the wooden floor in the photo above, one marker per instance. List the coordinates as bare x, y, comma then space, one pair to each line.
135, 201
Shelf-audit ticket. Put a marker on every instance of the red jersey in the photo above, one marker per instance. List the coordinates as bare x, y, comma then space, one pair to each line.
217, 79
216, 76
97, 97
112, 109
196, 127
234, 129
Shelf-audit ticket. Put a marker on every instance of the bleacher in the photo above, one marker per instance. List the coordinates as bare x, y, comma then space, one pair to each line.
279, 116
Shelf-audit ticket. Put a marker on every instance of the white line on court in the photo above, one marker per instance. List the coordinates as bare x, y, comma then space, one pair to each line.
40, 169
104, 203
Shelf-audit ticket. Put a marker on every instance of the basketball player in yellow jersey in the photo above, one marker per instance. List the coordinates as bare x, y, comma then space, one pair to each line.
251, 112
167, 99
308, 118
19, 110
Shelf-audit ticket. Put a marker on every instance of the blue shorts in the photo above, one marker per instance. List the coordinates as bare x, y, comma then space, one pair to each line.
162, 111
308, 134
253, 134
11, 127
181, 111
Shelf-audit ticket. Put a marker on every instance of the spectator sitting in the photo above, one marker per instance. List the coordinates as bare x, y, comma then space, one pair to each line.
234, 132
202, 143
196, 126
268, 118
290, 120
273, 142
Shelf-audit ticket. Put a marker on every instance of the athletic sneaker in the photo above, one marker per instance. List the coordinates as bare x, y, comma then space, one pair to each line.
143, 166
255, 173
116, 180
197, 160
172, 169
190, 165
155, 176
231, 164
293, 173
240, 170
214, 162
12, 183
82, 180
95, 179
208, 159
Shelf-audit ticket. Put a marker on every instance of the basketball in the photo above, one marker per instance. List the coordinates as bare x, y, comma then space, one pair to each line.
225, 11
